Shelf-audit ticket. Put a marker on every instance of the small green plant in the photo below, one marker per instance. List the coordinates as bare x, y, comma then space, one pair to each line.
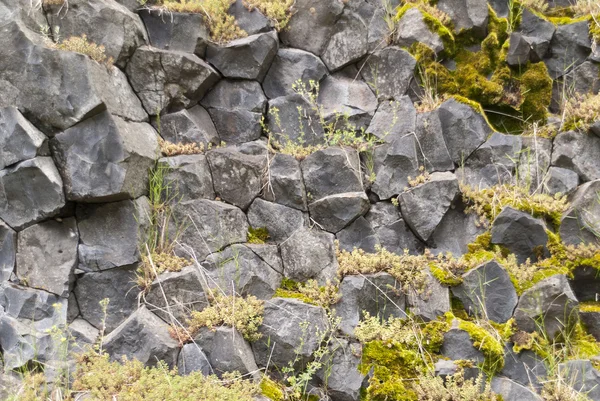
258, 235
455, 387
310, 292
580, 111
81, 44
422, 178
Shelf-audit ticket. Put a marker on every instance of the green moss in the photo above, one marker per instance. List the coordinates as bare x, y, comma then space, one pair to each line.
536, 86
258, 235
444, 33
566, 20
490, 347
589, 307
444, 276
283, 293
271, 390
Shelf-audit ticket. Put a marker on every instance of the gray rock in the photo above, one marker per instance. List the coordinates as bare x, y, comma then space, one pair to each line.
432, 303
445, 368
289, 326
283, 183
378, 294
188, 126
585, 283
424, 206
92, 86
188, 177
467, 15
500, 7
389, 72
459, 346
237, 178
122, 152
293, 120
108, 235
239, 268
463, 128
30, 192
269, 254
379, 31
455, 231
82, 335
549, 306
570, 46
581, 222
538, 33
309, 254
526, 368
343, 94
72, 308
511, 390
186, 32
103, 22
236, 108
245, 58
431, 146
582, 377
331, 171
118, 285
38, 310
19, 139
393, 119
534, 161
312, 24
393, 164
251, 21
359, 235
487, 291
192, 359
280, 221
578, 151
167, 80
560, 181
289, 66
591, 321
47, 256
341, 374
8, 251
519, 50
173, 295
347, 42
521, 233
595, 128
22, 10
391, 230
20, 344
144, 337
583, 79
335, 212
412, 29
226, 350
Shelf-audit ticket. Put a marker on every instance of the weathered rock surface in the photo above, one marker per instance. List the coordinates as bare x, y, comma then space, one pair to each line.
393, 119
393, 164
343, 379
188, 126
331, 171
521, 234
578, 151
292, 119
188, 177
309, 253
19, 139
37, 310
432, 303
280, 221
391, 230
560, 180
467, 15
526, 367
347, 42
359, 234
582, 377
570, 46
581, 221
8, 251
458, 345
389, 71
335, 212
251, 21
193, 359
511, 390
432, 151
413, 29
456, 231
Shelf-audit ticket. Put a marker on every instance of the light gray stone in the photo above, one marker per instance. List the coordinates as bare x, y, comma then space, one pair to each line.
359, 235
413, 29
578, 151
251, 21
293, 120
347, 42
283, 183
188, 126
393, 164
511, 390
8, 251
280, 221
331, 171
432, 151
582, 377
343, 379
458, 345
581, 221
393, 119
309, 254
38, 310
389, 72
570, 46
467, 15
193, 359
432, 303
560, 180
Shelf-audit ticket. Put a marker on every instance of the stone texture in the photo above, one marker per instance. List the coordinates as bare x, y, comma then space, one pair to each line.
389, 71
188, 177
526, 367
467, 15
105, 158
359, 234
432, 151
585, 283
84, 335
343, 380
581, 221
193, 359
533, 164
391, 230
292, 119
8, 251
582, 377
549, 304
347, 42
37, 310
487, 291
570, 46
108, 235
456, 231
237, 177
19, 139
47, 255
188, 126
245, 58
413, 29
335, 212
424, 206
393, 120
591, 322
511, 390
309, 254
251, 21
280, 221
331, 171
432, 303
393, 164
578, 151
284, 183
20, 344
560, 180
289, 66
378, 294
118, 285
142, 336
459, 346
538, 33
167, 80
521, 234
519, 50
30, 192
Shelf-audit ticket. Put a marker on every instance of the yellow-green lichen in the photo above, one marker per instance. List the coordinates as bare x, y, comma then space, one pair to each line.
589, 307
491, 348
271, 390
258, 235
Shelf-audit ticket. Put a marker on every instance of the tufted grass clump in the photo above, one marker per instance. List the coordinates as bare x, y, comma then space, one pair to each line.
580, 111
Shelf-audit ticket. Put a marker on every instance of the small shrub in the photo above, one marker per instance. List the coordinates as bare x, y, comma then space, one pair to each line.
580, 111
80, 44
158, 263
174, 149
310, 292
422, 178
540, 6
454, 388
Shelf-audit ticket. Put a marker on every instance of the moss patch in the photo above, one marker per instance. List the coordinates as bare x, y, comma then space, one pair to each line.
258, 235
490, 347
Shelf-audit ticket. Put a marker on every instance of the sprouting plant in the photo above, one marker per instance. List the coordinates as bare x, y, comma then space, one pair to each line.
429, 98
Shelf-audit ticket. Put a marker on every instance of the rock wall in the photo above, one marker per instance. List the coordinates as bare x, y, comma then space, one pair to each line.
251, 150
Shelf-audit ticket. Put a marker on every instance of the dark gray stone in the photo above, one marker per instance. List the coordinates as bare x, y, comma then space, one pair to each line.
335, 212
347, 42
534, 160
393, 164
82, 335
108, 235
269, 254
432, 151
20, 344
511, 390
30, 192
455, 231
188, 126
121, 151
237, 178
47, 256
459, 346
8, 251
389, 72
582, 377
292, 119
521, 233
188, 177
331, 171
585, 283
168, 80
341, 373
104, 22
19, 139
38, 310
467, 15
591, 321
291, 331
412, 28
118, 285
193, 359
463, 128
549, 306
280, 221
424, 206
560, 181
244, 58
393, 120
391, 230
570, 46
526, 367
378, 294
251, 21
538, 33
309, 254
487, 291
312, 24
430, 304
144, 337
289, 66
519, 50
581, 222
578, 151
359, 235
284, 184
168, 30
